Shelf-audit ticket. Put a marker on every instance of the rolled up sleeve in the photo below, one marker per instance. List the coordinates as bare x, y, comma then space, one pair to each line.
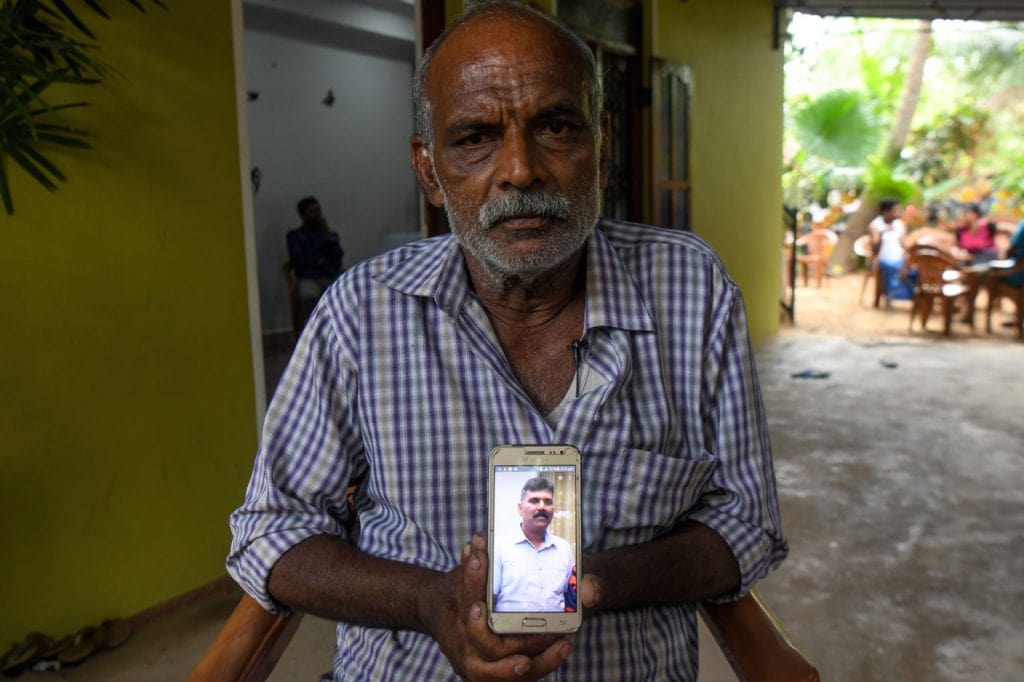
741, 502
305, 462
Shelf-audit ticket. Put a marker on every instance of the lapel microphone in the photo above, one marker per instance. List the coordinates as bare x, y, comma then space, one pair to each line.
577, 347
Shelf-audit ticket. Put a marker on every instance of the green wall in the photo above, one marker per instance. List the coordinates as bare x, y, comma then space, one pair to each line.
127, 400
736, 137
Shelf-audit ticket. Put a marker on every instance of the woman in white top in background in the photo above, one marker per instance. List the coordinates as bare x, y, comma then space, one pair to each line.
887, 235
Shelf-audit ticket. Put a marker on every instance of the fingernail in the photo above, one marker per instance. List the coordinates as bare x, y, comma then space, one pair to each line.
521, 669
474, 612
479, 542
466, 549
566, 650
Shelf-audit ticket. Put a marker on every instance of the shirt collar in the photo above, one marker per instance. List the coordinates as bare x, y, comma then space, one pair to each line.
438, 271
613, 299
548, 542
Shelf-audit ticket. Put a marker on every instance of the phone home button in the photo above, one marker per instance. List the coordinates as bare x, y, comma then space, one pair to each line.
534, 623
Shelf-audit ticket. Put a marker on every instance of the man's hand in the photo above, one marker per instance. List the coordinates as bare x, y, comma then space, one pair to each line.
694, 560
455, 615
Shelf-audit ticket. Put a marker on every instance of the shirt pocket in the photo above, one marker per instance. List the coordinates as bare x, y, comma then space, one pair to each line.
648, 493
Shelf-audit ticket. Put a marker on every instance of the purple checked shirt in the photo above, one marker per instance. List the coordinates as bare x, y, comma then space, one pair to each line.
398, 384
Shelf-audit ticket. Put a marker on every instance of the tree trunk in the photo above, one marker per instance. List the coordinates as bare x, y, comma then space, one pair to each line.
843, 258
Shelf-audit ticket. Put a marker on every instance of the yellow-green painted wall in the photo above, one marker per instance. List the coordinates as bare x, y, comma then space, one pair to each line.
736, 136
126, 382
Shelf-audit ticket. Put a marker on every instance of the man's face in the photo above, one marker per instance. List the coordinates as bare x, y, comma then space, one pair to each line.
516, 159
311, 213
537, 507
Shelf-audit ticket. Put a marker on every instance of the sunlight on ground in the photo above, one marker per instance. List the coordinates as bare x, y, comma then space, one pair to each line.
835, 309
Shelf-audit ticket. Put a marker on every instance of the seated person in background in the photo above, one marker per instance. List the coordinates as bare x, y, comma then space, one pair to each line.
315, 253
419, 361
976, 235
887, 235
1016, 253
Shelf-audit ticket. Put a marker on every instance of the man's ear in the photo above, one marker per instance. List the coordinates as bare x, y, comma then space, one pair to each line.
423, 166
606, 150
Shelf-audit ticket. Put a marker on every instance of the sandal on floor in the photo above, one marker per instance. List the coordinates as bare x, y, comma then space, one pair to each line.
93, 639
25, 653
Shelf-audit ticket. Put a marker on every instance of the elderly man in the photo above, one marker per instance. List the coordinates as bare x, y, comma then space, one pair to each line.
420, 361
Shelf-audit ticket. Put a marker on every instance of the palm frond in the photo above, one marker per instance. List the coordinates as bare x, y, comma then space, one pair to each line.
835, 127
37, 50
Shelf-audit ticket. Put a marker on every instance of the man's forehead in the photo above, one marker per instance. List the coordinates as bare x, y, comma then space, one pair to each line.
503, 46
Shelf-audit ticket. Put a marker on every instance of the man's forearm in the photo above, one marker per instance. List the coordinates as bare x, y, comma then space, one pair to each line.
689, 564
325, 576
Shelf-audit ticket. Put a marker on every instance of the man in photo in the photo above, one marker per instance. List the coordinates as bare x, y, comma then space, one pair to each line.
532, 569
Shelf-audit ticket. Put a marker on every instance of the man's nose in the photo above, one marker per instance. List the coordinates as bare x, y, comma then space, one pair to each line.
518, 165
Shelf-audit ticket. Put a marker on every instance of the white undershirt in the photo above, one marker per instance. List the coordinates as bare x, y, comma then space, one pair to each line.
588, 379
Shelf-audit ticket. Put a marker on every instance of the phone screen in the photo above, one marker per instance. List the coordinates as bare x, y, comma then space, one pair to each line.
535, 536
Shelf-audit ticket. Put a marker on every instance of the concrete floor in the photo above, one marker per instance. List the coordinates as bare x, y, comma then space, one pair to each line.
902, 492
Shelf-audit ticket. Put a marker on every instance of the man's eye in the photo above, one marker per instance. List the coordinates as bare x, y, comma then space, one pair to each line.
472, 140
559, 127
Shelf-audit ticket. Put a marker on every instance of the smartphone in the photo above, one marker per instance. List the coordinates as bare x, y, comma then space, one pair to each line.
534, 539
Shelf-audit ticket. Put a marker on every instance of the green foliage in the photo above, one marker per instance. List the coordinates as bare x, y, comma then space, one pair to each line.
946, 145
38, 51
883, 181
883, 87
969, 117
836, 128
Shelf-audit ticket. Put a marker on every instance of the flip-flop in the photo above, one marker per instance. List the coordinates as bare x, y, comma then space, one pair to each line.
114, 633
55, 648
93, 639
83, 646
25, 653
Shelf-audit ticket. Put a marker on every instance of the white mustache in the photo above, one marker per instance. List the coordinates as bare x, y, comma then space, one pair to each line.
518, 204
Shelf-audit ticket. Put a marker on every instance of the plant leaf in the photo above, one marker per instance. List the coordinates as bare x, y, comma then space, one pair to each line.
835, 127
96, 8
18, 157
5, 191
63, 140
41, 161
72, 17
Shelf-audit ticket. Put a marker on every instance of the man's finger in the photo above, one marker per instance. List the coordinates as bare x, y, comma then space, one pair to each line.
590, 591
494, 647
550, 659
512, 668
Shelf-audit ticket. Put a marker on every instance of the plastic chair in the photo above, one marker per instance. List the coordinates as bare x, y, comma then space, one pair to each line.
749, 634
865, 249
939, 279
819, 243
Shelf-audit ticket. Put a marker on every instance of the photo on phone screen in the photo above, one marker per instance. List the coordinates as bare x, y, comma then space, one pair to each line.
535, 539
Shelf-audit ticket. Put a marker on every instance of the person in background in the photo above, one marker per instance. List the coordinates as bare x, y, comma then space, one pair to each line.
315, 253
888, 232
976, 235
1015, 252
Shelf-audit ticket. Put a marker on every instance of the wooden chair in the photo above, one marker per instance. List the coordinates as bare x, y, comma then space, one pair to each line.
998, 288
939, 279
749, 634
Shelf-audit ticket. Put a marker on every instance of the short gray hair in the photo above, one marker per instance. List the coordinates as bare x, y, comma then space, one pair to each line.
422, 110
